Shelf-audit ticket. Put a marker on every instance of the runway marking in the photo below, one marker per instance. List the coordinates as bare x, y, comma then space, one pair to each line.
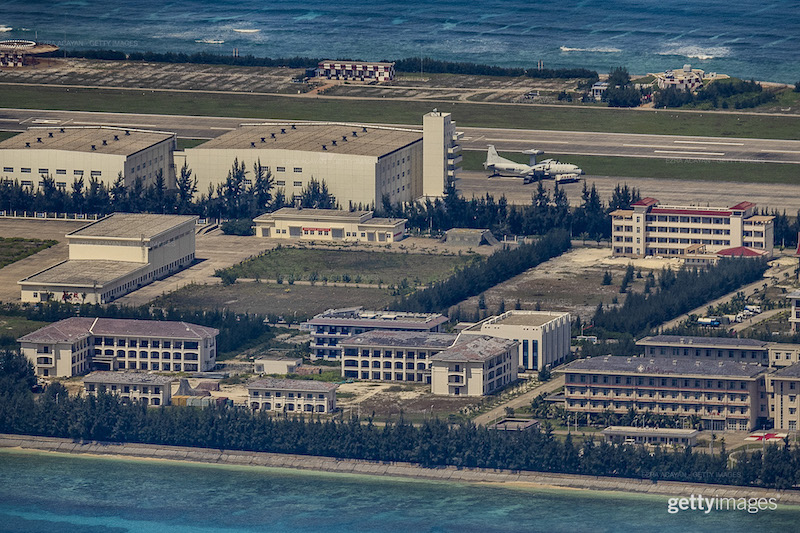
781, 151
225, 129
127, 125
686, 153
527, 141
709, 142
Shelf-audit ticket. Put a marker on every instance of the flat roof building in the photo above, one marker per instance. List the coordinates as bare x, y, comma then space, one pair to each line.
675, 231
724, 395
276, 365
651, 436
334, 326
76, 345
544, 336
381, 355
113, 256
102, 153
474, 367
706, 348
292, 396
140, 387
356, 70
329, 225
783, 387
360, 164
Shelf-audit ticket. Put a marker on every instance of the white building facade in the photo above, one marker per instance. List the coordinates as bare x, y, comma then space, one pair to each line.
675, 231
441, 152
114, 256
329, 225
69, 153
139, 387
544, 337
474, 367
292, 396
356, 70
75, 345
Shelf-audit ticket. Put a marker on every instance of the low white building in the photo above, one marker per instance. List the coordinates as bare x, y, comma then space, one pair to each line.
69, 153
356, 70
474, 367
148, 389
684, 79
794, 317
113, 256
279, 365
76, 345
331, 327
543, 336
292, 395
392, 355
329, 225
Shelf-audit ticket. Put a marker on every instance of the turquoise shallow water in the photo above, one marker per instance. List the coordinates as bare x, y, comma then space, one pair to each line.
737, 37
54, 493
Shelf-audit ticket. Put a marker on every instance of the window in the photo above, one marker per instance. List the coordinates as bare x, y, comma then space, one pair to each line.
280, 183
25, 170
96, 173
280, 169
44, 171
78, 173
8, 169
297, 183
298, 169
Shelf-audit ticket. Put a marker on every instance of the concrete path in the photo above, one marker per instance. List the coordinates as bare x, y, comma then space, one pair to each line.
525, 399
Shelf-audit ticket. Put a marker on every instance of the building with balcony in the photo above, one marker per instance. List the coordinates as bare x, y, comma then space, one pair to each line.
441, 152
140, 387
291, 396
474, 366
783, 387
113, 256
331, 327
392, 355
794, 317
102, 153
544, 336
367, 71
707, 348
329, 225
74, 346
676, 231
723, 394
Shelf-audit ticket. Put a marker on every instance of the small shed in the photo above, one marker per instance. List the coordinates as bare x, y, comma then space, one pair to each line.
470, 237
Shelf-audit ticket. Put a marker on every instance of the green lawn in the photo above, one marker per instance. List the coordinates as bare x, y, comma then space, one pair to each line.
386, 110
290, 301
640, 167
7, 135
15, 248
183, 144
14, 327
372, 267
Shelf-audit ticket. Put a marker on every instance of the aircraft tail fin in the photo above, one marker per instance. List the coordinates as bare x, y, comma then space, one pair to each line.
491, 156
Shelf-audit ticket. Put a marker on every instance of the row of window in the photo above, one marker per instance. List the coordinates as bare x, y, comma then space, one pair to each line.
389, 376
350, 363
659, 382
145, 343
708, 409
280, 394
165, 367
153, 355
59, 172
652, 394
686, 219
308, 408
399, 354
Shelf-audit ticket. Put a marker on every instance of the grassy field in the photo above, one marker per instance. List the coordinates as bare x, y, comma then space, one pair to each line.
638, 167
289, 301
401, 112
15, 248
14, 327
358, 266
183, 144
6, 135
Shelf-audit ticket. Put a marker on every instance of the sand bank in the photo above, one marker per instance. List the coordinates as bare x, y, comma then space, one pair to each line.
406, 470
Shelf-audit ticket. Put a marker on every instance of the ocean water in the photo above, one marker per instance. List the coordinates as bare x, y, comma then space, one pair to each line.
55, 493
737, 37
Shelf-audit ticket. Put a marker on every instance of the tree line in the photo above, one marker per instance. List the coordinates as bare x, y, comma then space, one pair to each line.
676, 293
477, 277
724, 94
432, 444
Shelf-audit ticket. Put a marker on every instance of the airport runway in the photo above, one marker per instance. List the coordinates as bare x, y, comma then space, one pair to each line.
561, 142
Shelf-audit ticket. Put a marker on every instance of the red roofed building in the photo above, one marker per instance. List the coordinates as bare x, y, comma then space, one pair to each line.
651, 229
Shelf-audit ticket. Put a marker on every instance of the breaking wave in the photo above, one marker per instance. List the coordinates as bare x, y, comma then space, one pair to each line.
594, 50
697, 52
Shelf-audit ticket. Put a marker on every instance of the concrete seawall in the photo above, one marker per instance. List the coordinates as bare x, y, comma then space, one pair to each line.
373, 468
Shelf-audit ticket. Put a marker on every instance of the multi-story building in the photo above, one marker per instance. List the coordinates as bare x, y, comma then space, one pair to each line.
114, 256
684, 79
75, 345
392, 355
783, 387
102, 153
783, 354
356, 70
707, 348
329, 225
723, 394
291, 395
474, 367
794, 317
148, 389
652, 229
544, 336
441, 153
331, 327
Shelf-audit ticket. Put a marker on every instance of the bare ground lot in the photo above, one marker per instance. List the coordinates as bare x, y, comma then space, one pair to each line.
668, 191
571, 282
388, 400
285, 300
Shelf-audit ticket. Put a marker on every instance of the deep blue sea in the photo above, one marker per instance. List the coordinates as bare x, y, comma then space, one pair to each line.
743, 38
56, 493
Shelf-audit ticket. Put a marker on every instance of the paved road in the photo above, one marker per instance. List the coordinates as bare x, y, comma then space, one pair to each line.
569, 142
522, 400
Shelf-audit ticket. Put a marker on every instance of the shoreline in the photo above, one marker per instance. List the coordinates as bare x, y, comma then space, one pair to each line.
508, 478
